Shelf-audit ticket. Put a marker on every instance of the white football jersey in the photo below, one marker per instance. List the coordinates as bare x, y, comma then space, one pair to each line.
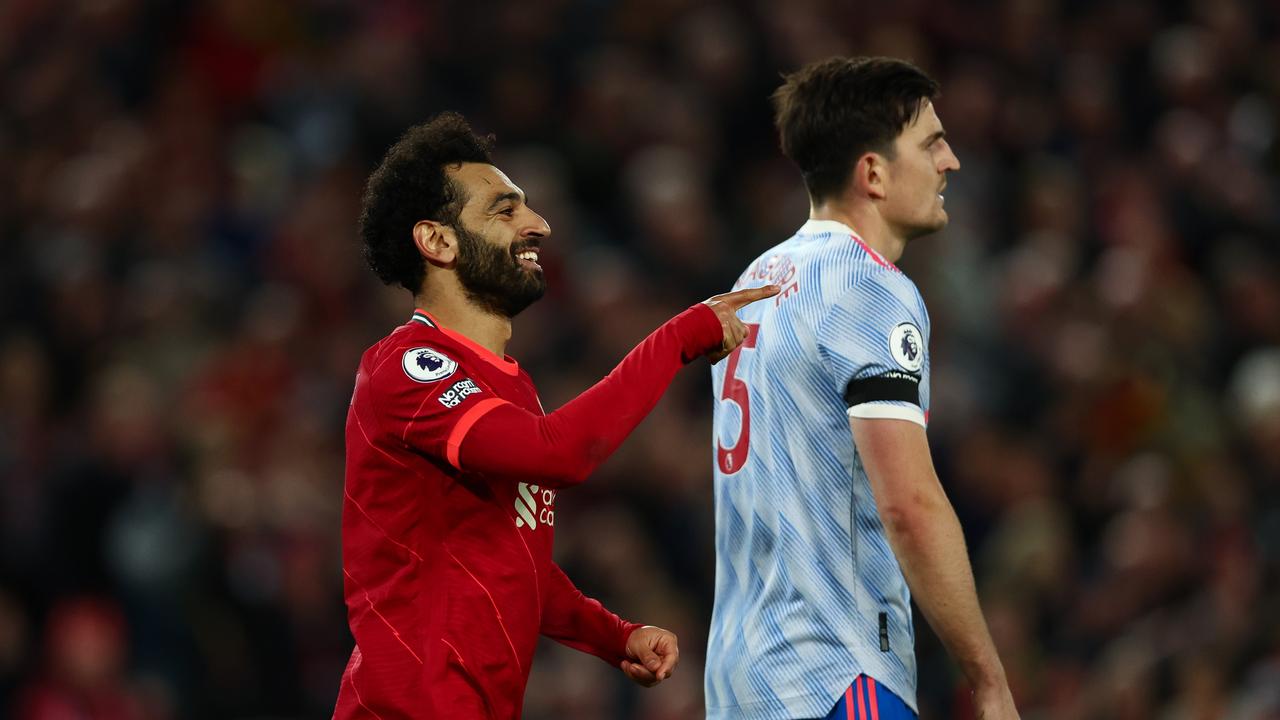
808, 592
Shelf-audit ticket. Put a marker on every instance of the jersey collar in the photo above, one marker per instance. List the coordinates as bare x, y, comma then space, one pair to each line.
818, 227
506, 364
835, 227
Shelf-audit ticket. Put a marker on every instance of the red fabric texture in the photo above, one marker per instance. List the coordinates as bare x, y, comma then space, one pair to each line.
563, 448
448, 573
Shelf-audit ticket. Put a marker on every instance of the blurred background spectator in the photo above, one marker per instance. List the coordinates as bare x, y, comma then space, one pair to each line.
184, 306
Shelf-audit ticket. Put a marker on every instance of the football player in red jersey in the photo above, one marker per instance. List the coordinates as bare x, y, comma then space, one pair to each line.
452, 466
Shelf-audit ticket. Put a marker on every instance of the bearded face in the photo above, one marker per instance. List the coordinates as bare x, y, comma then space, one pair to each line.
493, 277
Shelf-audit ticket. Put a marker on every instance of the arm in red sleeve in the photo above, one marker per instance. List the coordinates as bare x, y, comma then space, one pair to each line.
563, 448
580, 622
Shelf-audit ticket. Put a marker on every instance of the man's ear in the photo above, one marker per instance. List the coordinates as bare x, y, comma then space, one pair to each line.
436, 242
870, 173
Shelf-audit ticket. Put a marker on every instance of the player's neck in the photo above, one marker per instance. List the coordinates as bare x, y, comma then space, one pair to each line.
455, 312
867, 223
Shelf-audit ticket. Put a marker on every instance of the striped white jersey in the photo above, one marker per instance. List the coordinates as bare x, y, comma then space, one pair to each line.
808, 592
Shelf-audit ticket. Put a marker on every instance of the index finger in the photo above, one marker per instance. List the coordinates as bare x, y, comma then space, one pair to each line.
741, 298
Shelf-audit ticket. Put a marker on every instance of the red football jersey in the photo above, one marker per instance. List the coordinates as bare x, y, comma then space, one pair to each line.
448, 573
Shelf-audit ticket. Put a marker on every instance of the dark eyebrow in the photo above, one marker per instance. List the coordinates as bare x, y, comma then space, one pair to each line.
512, 196
935, 137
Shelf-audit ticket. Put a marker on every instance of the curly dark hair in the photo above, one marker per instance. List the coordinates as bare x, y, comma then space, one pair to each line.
832, 111
411, 185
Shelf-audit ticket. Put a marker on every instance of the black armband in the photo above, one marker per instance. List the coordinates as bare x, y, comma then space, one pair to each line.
900, 386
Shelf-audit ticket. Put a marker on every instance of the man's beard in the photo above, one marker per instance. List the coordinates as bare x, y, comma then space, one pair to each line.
493, 278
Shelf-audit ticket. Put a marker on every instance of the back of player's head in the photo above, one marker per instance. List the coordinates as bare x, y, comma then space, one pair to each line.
832, 111
410, 185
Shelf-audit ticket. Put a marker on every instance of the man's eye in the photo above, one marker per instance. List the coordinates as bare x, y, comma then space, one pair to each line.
507, 211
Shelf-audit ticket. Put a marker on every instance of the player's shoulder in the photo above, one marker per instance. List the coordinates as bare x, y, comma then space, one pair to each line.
859, 280
874, 274
415, 353
864, 276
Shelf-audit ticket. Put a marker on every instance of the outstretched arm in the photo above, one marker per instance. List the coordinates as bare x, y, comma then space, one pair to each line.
926, 538
564, 447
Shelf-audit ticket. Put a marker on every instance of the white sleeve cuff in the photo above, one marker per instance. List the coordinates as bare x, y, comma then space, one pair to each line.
878, 411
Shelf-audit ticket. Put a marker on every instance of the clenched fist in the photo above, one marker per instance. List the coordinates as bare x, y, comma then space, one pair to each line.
652, 653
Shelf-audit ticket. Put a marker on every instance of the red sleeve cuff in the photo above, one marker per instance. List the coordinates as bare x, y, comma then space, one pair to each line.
627, 629
699, 327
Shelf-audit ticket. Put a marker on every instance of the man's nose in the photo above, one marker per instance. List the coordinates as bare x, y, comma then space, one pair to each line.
538, 228
950, 162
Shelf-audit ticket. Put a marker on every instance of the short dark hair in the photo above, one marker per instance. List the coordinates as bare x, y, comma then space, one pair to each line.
832, 111
411, 185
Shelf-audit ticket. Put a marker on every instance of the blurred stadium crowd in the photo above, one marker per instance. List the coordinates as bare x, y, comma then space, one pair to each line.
184, 306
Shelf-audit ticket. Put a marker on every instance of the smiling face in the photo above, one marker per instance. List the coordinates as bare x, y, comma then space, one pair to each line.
917, 174
499, 239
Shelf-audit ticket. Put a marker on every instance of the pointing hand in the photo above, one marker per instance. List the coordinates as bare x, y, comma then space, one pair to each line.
726, 307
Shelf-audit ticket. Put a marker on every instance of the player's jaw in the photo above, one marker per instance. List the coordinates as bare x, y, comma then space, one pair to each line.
500, 280
922, 215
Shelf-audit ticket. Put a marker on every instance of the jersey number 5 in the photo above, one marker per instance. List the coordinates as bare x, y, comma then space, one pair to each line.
731, 459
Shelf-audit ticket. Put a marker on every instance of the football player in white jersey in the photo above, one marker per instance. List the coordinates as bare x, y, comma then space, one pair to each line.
830, 516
